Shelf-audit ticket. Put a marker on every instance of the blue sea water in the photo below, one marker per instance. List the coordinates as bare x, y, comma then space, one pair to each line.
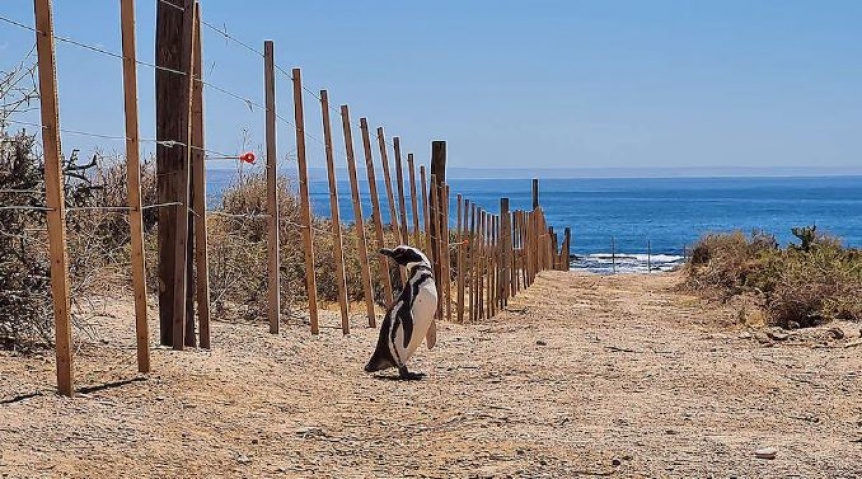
667, 213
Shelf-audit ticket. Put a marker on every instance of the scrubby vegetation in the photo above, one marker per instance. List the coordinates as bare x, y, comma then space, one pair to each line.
802, 285
98, 243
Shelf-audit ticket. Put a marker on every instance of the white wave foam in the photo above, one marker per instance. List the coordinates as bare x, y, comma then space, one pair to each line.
607, 263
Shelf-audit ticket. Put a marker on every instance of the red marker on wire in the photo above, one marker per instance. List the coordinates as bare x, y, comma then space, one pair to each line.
247, 157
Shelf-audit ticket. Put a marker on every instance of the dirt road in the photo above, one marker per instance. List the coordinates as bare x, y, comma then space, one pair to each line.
584, 376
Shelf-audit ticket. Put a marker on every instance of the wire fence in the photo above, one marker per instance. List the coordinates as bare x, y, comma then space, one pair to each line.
480, 264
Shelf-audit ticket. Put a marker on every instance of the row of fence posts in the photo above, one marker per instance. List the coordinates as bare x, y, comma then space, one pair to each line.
496, 254
485, 261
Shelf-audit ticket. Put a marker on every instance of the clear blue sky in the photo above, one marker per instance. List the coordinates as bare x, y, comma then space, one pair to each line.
512, 83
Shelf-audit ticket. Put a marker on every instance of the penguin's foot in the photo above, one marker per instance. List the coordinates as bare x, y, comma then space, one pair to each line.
406, 375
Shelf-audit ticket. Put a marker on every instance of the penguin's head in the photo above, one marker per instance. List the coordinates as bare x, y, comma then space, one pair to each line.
406, 256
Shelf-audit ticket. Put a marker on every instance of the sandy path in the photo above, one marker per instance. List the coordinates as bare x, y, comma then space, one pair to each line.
583, 377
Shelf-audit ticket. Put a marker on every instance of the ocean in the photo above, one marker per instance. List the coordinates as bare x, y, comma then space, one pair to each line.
631, 216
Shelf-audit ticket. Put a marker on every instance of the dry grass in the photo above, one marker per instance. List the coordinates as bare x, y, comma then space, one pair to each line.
799, 286
98, 244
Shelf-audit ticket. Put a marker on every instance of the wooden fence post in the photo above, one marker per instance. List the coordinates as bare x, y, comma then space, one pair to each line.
399, 177
474, 262
414, 201
305, 206
55, 201
181, 256
340, 278
447, 252
272, 220
199, 192
437, 262
375, 211
483, 260
567, 257
506, 238
426, 209
361, 244
387, 181
133, 168
438, 177
460, 258
535, 193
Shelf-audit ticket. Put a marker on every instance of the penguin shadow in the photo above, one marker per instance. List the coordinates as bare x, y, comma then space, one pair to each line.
397, 377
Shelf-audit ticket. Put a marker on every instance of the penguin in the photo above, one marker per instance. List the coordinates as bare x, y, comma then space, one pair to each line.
410, 318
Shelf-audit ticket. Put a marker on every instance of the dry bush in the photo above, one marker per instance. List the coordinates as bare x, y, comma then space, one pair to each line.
802, 285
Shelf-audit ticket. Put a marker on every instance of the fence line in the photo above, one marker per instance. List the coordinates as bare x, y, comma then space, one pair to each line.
496, 255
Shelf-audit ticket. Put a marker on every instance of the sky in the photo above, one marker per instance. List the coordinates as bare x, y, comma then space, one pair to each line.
659, 84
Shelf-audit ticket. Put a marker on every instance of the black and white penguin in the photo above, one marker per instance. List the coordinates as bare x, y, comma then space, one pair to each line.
411, 316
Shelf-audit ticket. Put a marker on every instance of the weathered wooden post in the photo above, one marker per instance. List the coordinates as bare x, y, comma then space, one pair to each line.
305, 206
375, 209
387, 181
361, 244
535, 193
413, 202
399, 177
199, 193
438, 175
460, 258
174, 51
133, 168
340, 278
54, 198
272, 220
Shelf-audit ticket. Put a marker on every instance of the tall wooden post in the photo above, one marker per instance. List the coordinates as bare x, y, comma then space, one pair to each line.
474, 262
305, 206
462, 268
438, 172
437, 262
426, 210
199, 192
413, 202
387, 181
375, 211
359, 224
272, 220
133, 168
55, 200
567, 254
169, 159
506, 240
183, 217
535, 193
447, 252
340, 278
399, 177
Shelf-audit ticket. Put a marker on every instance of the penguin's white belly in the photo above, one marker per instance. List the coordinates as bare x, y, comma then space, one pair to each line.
424, 308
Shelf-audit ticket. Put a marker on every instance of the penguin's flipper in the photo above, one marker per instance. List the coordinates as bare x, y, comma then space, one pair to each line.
431, 335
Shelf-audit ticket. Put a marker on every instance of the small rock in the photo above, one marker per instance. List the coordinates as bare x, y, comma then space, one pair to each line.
160, 398
762, 338
793, 325
616, 462
541, 343
836, 333
745, 335
627, 458
777, 335
255, 441
766, 453
310, 431
243, 459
